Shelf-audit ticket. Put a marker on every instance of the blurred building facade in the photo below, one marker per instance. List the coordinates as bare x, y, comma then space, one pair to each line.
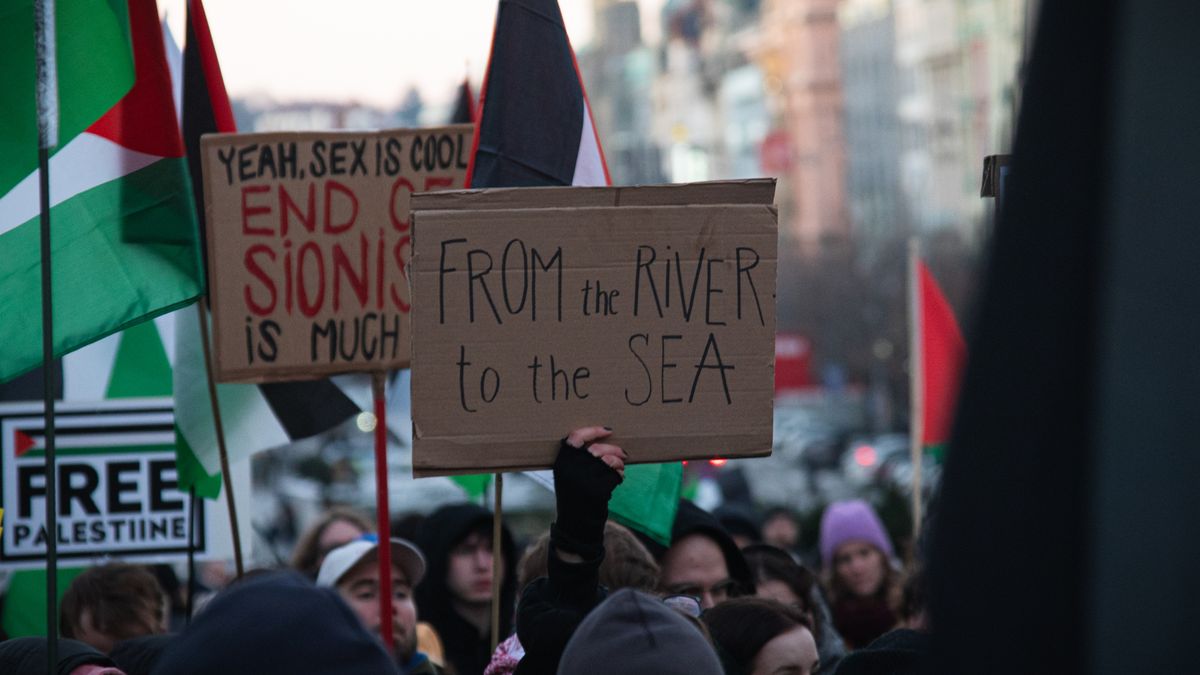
875, 116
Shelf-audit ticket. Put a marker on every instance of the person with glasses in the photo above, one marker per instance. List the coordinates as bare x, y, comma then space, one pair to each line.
703, 559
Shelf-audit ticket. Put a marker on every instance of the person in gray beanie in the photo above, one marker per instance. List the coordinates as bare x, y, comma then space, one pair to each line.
632, 632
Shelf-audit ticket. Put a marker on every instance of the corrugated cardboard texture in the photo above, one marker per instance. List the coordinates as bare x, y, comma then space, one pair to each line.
749, 191
309, 235
524, 327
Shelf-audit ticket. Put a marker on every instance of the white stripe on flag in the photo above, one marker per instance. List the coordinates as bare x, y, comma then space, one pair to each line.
84, 163
86, 371
589, 168
175, 67
249, 423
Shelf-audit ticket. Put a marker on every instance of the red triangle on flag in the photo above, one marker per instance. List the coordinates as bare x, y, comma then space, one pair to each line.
138, 121
25, 442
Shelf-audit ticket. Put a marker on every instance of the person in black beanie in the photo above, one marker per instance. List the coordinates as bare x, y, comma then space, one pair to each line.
276, 622
586, 472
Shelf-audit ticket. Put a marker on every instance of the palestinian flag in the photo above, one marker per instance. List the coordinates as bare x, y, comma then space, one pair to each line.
122, 218
535, 124
255, 417
940, 354
535, 129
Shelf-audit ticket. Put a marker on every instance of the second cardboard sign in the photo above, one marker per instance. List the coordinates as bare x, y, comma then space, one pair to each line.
650, 310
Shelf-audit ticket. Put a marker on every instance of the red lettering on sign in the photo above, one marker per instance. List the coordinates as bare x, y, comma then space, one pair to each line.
330, 226
342, 267
249, 211
307, 306
400, 225
308, 217
253, 268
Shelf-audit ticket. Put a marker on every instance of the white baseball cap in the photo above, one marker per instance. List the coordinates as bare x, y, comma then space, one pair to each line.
342, 559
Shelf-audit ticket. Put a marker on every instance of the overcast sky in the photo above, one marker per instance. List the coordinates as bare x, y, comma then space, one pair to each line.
361, 50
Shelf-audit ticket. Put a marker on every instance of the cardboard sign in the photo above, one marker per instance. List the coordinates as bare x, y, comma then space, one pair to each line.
656, 319
117, 491
309, 238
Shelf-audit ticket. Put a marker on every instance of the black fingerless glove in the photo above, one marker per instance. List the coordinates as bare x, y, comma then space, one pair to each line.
583, 485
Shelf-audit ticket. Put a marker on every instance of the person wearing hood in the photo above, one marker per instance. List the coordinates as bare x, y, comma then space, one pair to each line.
353, 571
703, 559
276, 622
857, 556
456, 594
632, 632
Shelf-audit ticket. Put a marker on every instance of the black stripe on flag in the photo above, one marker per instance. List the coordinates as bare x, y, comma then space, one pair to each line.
308, 408
198, 118
303, 408
533, 101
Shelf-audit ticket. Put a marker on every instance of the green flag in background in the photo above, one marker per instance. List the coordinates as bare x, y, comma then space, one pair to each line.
648, 498
95, 69
474, 484
122, 219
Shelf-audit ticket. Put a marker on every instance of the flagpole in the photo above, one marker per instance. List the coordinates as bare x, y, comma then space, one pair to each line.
497, 557
47, 111
916, 385
382, 512
219, 428
191, 553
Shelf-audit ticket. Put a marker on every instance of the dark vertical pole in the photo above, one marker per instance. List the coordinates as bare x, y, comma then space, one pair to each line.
497, 558
47, 108
220, 431
48, 398
191, 553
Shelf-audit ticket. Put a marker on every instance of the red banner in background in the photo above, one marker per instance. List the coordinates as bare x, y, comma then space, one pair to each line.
793, 363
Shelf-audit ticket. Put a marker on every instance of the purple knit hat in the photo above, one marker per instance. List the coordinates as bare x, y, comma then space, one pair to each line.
852, 520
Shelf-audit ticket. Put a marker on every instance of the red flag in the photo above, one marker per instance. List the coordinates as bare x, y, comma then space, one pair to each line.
942, 356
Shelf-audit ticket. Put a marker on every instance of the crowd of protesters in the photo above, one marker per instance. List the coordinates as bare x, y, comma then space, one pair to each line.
728, 594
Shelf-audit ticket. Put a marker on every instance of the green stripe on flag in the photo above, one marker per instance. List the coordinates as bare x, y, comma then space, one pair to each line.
103, 283
648, 499
191, 472
937, 451
474, 484
95, 69
25, 601
141, 367
105, 450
